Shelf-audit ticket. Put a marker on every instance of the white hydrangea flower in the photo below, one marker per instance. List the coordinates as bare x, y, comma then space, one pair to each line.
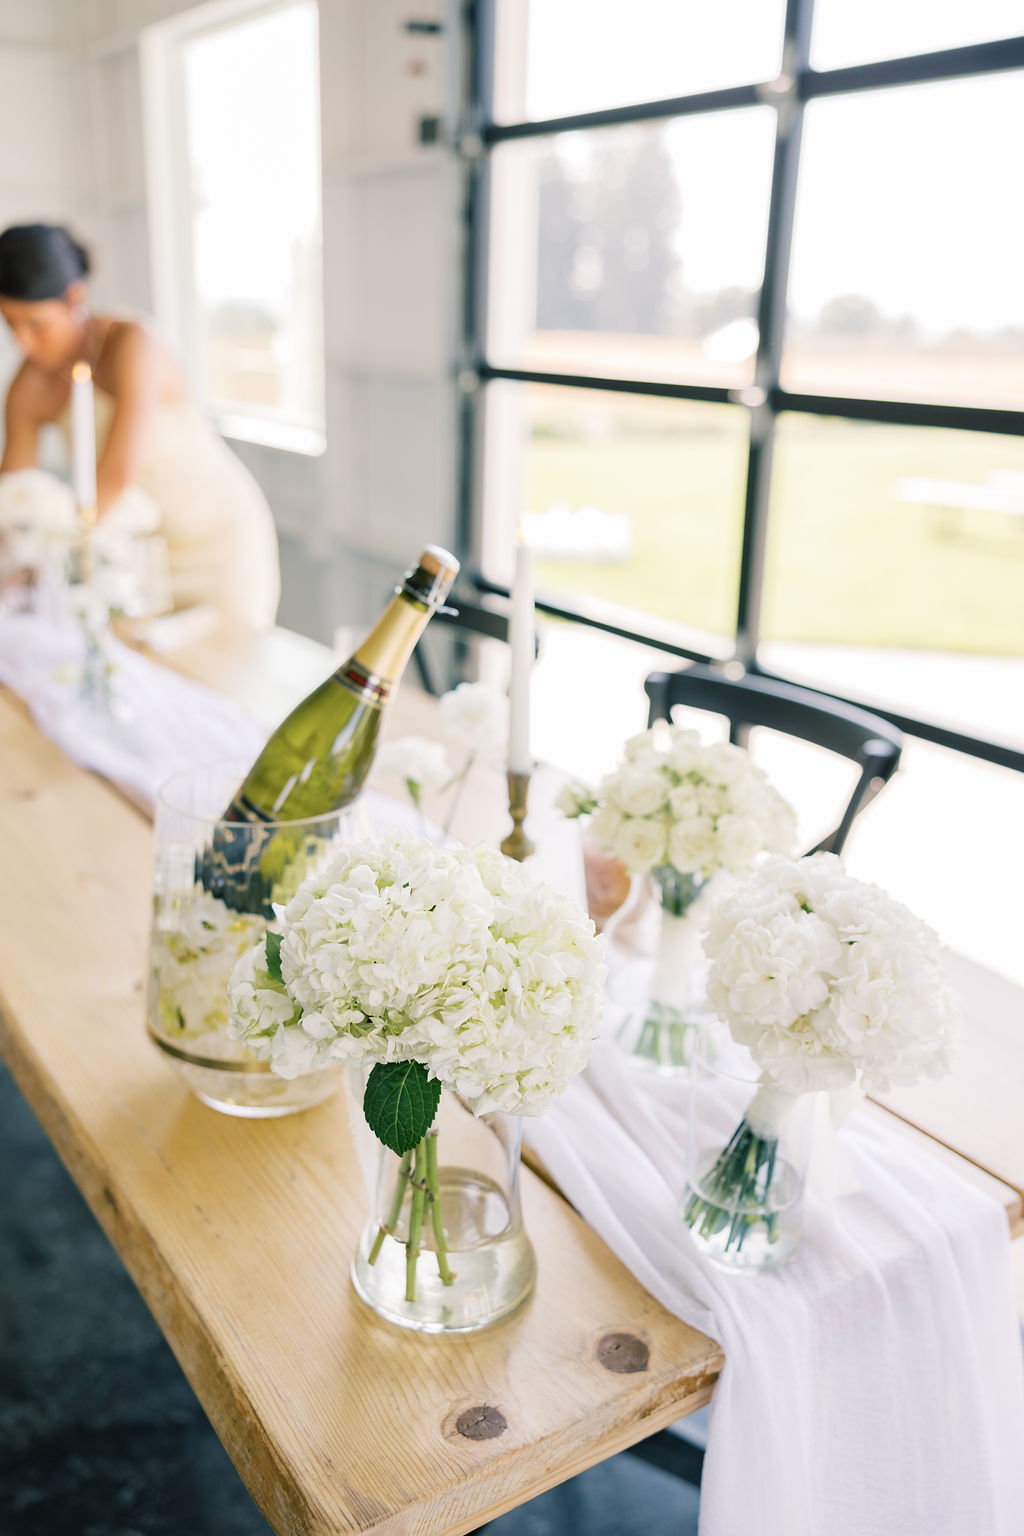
415, 760
828, 980
197, 941
475, 715
456, 958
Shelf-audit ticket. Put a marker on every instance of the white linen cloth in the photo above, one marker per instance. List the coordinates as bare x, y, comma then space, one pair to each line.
872, 1387
166, 724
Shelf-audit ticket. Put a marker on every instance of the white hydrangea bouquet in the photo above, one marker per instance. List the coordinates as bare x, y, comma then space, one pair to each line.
676, 811
38, 526
474, 718
830, 984
433, 968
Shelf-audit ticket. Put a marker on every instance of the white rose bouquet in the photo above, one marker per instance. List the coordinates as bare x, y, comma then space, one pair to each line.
474, 718
34, 501
830, 984
679, 810
38, 524
435, 967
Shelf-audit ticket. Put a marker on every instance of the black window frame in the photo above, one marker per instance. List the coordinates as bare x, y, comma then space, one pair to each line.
765, 399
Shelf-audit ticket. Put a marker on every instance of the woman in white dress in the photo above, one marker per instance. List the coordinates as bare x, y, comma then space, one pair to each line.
219, 530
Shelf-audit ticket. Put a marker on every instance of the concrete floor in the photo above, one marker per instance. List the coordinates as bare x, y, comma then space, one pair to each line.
101, 1435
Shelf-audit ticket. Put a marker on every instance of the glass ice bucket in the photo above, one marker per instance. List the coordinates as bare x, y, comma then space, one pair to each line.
216, 884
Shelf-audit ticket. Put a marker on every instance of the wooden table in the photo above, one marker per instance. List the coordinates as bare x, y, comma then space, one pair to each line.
972, 1118
239, 1234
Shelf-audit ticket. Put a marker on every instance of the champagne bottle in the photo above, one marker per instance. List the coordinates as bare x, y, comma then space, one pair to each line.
318, 758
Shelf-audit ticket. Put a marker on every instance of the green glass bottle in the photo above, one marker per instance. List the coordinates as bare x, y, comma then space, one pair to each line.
318, 758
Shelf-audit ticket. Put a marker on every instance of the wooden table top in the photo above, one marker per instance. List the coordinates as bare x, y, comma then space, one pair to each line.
239, 1234
974, 1114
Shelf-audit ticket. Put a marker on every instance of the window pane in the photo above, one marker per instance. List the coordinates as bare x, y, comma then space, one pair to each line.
892, 29
895, 565
556, 57
633, 251
634, 501
252, 109
906, 272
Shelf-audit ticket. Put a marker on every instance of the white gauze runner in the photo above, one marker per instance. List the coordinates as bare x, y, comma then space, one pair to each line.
170, 723
874, 1386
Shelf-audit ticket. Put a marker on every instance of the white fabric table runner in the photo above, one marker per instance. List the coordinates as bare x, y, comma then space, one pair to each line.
873, 1387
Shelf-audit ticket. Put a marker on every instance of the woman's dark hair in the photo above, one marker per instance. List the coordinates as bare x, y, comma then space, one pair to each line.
39, 261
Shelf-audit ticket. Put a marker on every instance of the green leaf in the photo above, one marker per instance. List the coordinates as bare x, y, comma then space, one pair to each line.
274, 956
400, 1103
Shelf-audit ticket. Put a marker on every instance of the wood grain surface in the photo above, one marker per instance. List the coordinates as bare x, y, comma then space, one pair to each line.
239, 1233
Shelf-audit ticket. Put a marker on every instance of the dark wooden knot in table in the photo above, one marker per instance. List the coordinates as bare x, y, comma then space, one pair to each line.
481, 1423
623, 1353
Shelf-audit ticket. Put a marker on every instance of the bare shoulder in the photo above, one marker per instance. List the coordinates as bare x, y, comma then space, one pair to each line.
132, 355
35, 395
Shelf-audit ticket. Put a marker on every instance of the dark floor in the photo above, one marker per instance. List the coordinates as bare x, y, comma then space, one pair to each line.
100, 1434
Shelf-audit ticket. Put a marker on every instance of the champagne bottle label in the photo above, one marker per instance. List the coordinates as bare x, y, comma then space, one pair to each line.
368, 687
243, 809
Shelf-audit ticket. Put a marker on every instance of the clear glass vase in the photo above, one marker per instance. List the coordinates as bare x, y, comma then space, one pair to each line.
203, 921
444, 1250
662, 1013
748, 1144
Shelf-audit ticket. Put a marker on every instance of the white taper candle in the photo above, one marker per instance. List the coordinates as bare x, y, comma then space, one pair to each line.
83, 440
521, 641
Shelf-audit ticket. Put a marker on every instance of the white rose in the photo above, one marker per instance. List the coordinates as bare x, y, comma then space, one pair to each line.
33, 498
641, 843
605, 824
691, 845
639, 791
574, 800
739, 840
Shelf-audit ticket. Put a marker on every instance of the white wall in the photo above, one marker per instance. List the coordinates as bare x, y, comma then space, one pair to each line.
71, 119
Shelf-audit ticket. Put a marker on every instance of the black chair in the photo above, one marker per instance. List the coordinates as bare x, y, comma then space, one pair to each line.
467, 617
866, 739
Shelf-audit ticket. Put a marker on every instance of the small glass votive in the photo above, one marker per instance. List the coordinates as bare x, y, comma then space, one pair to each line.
215, 885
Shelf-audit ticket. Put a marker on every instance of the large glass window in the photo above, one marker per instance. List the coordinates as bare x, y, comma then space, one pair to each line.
906, 268
234, 106
559, 56
633, 252
886, 29
753, 340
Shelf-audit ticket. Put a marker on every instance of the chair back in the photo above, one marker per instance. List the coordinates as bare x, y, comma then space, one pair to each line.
866, 739
468, 618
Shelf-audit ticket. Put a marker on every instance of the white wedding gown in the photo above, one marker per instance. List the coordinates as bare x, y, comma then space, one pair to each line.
219, 530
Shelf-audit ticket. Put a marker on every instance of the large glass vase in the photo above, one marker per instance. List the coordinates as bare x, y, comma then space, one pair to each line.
206, 914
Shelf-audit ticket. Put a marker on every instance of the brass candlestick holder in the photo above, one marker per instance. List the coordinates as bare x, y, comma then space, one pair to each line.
517, 845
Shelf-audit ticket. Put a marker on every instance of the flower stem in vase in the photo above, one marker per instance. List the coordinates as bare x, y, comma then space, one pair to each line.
436, 1217
743, 1203
387, 1227
417, 1178
412, 1242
